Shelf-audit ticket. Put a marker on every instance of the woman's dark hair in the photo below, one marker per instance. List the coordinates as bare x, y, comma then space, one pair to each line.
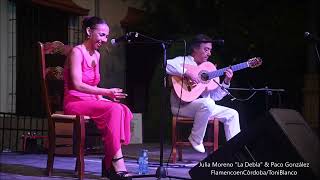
91, 22
197, 40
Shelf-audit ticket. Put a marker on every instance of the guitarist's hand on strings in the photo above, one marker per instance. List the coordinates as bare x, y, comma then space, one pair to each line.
195, 79
228, 77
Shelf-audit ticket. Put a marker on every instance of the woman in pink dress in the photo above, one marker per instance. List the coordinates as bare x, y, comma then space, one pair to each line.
82, 96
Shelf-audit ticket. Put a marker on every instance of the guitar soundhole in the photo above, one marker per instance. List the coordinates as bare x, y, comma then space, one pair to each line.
204, 76
189, 88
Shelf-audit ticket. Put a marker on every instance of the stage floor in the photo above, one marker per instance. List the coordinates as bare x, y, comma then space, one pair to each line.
32, 166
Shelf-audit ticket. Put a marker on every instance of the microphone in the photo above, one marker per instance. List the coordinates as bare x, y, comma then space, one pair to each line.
218, 42
125, 37
310, 37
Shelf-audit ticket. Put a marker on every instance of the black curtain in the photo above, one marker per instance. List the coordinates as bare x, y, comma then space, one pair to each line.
34, 23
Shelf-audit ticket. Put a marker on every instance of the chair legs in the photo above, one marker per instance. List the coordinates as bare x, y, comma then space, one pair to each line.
180, 153
177, 143
76, 166
50, 159
80, 131
79, 128
103, 168
51, 151
215, 135
174, 140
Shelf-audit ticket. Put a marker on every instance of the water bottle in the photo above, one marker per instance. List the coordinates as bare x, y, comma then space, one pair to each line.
143, 162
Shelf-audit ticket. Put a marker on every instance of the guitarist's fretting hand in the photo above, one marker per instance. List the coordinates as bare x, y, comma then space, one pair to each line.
229, 74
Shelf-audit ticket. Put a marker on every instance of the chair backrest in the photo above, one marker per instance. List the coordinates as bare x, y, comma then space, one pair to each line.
52, 56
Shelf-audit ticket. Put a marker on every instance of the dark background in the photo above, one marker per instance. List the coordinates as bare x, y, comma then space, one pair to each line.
272, 30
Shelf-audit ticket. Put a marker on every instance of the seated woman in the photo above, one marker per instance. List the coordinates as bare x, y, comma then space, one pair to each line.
82, 96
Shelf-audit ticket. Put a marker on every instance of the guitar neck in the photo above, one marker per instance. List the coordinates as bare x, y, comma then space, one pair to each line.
220, 72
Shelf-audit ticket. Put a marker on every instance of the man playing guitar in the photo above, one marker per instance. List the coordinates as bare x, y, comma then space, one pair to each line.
204, 106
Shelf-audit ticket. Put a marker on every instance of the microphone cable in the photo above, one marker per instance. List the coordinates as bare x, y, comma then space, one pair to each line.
180, 101
233, 97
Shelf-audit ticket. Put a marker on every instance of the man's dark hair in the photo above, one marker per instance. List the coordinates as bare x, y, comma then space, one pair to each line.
197, 40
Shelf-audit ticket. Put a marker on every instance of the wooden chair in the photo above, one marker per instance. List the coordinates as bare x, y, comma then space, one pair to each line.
178, 143
52, 93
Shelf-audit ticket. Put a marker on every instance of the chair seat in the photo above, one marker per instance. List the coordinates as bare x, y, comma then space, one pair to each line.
183, 118
60, 115
178, 143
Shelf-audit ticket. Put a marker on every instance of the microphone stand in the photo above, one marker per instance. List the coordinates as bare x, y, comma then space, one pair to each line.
161, 171
317, 52
314, 40
268, 92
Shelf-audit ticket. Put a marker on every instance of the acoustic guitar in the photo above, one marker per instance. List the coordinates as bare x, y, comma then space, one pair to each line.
209, 75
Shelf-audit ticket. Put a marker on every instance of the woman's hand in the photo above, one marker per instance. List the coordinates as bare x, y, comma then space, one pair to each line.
116, 94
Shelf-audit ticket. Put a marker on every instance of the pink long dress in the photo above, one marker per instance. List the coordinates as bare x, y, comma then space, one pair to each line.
112, 118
